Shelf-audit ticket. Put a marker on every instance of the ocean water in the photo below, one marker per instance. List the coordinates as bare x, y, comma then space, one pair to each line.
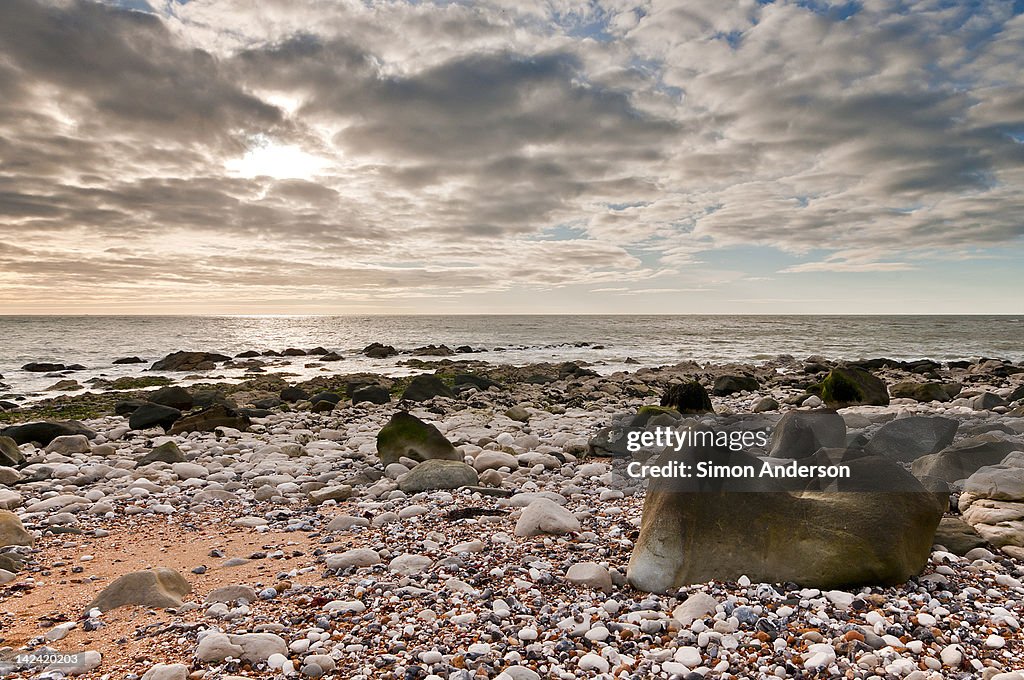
95, 341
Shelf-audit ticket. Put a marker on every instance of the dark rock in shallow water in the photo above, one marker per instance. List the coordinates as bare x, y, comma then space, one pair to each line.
151, 415
168, 452
923, 392
376, 350
878, 531
175, 397
331, 356
41, 367
294, 352
45, 432
731, 384
128, 360
406, 435
189, 361
848, 386
248, 354
318, 351
375, 394
433, 351
963, 459
688, 397
424, 387
210, 419
907, 439
800, 433
294, 394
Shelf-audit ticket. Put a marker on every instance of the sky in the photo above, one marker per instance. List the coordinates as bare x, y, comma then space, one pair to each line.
528, 156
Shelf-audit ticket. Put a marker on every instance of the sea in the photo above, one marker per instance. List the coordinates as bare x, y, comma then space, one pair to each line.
603, 342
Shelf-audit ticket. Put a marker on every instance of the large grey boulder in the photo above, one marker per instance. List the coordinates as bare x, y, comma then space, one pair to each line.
907, 439
408, 436
966, 457
877, 530
800, 433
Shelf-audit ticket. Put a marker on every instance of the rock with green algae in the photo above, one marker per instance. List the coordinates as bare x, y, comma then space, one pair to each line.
848, 386
406, 435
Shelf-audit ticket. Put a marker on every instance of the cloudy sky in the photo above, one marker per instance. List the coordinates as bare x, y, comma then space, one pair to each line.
333, 156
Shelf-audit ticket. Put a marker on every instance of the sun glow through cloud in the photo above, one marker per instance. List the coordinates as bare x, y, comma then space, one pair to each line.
280, 161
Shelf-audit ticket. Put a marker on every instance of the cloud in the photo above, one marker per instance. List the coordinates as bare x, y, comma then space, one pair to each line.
430, 145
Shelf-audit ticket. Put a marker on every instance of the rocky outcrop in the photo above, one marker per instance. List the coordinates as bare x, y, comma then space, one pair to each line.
966, 457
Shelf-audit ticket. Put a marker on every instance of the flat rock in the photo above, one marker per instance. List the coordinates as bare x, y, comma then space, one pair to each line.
590, 575
356, 557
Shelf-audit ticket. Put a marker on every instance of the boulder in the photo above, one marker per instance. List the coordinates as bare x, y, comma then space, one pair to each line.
924, 392
696, 606
331, 397
438, 474
173, 396
209, 419
69, 444
957, 536
356, 557
231, 595
848, 386
330, 493
765, 404
494, 460
688, 397
189, 361
543, 516
424, 387
964, 458
10, 454
128, 406
293, 394
875, 530
375, 394
907, 439
406, 435
42, 433
798, 434
986, 401
128, 360
518, 413
731, 384
159, 587
153, 415
12, 531
168, 452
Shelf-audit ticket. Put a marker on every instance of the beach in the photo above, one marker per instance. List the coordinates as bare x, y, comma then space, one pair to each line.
303, 545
